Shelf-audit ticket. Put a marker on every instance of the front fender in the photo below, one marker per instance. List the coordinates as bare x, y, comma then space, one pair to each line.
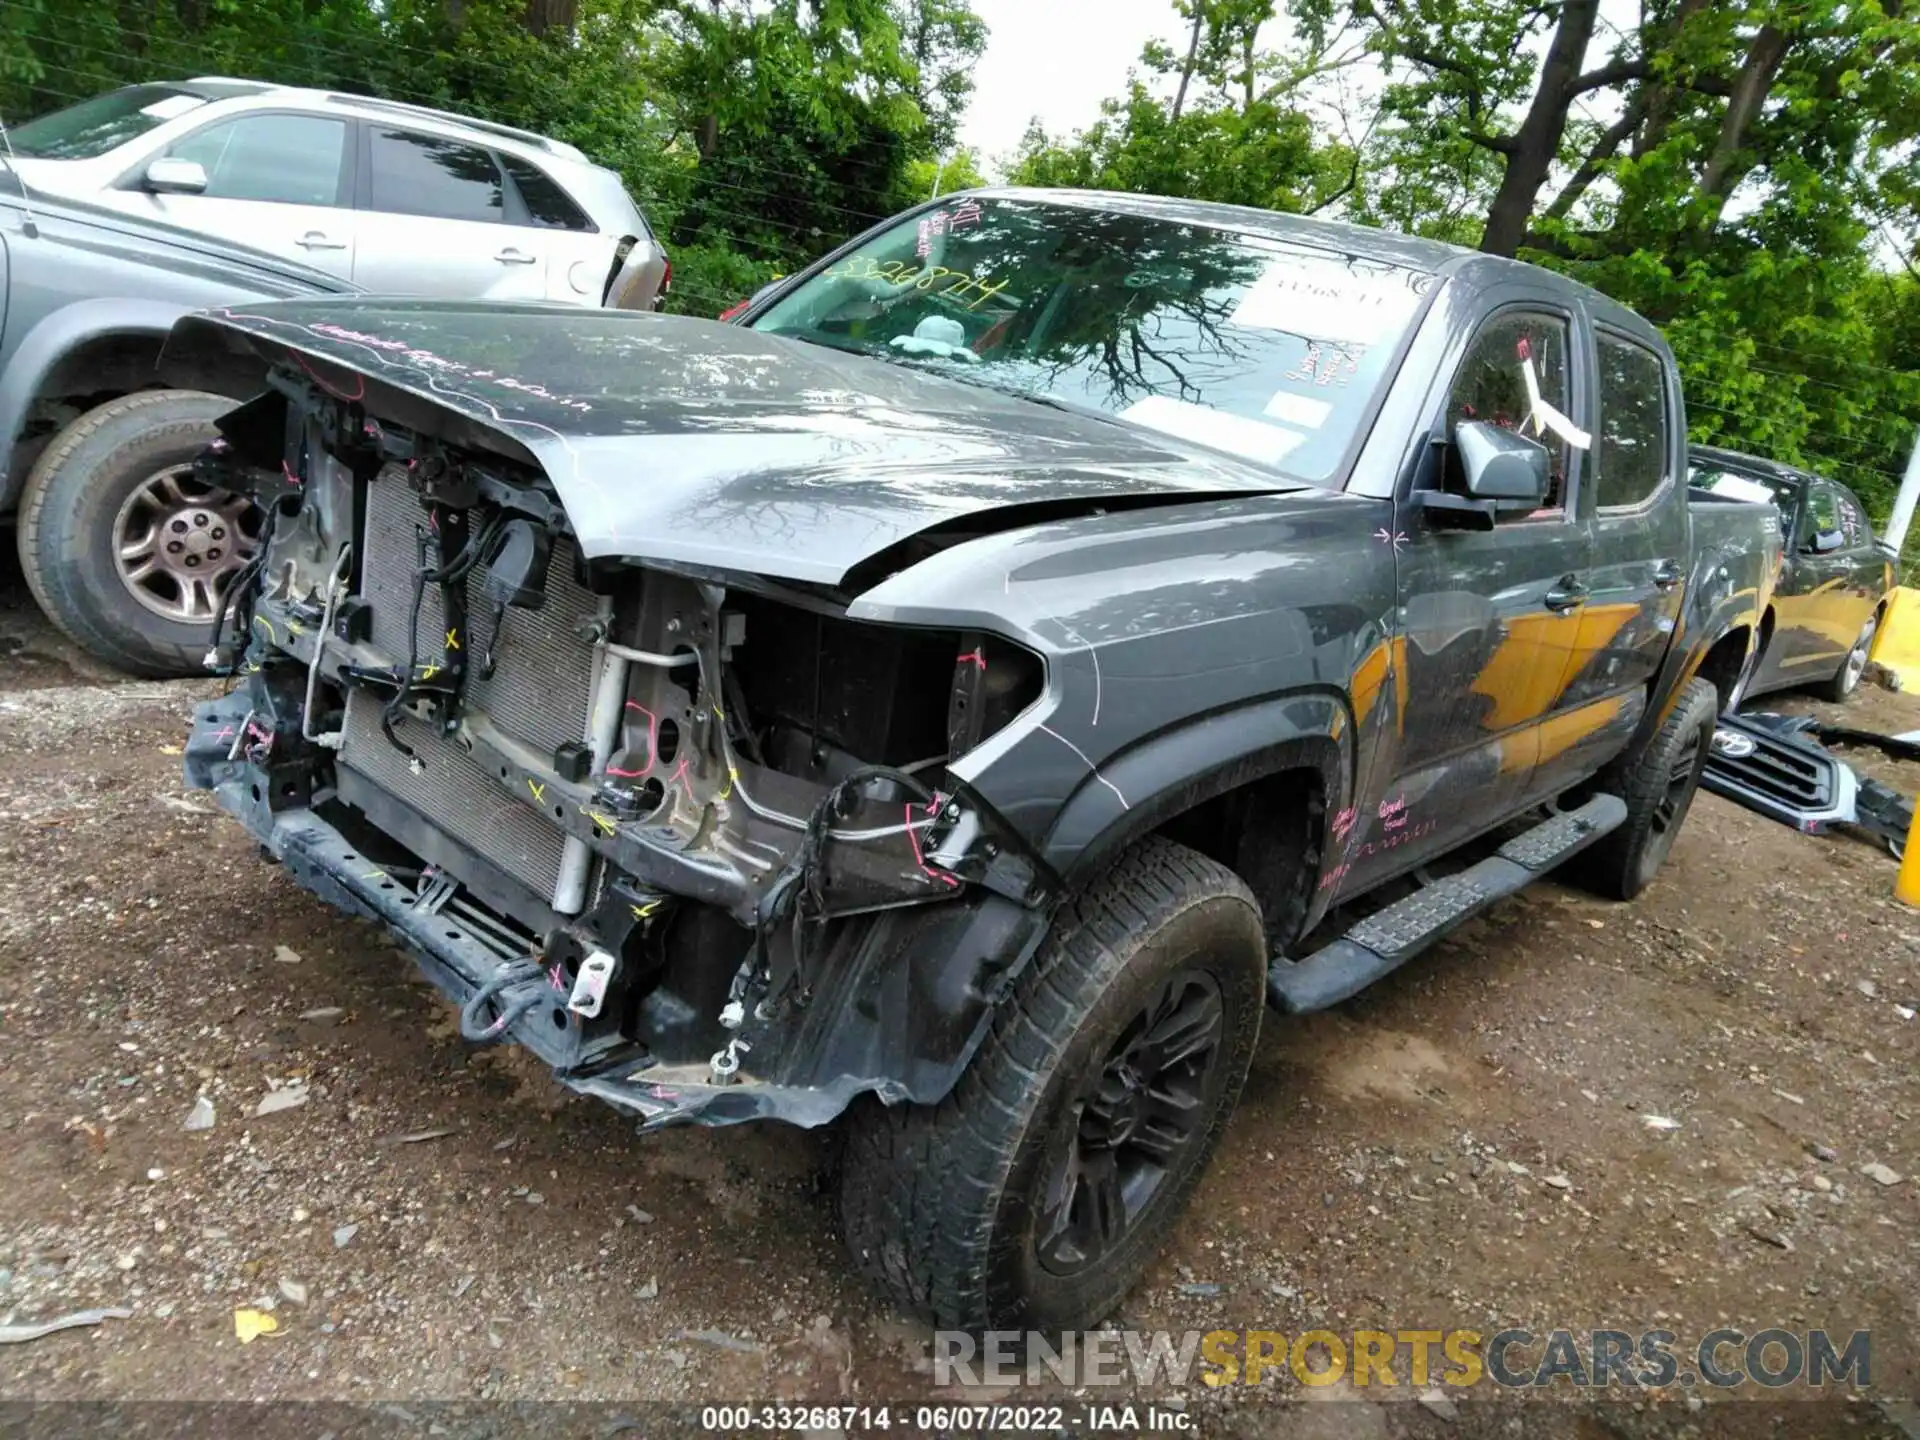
1178, 769
55, 336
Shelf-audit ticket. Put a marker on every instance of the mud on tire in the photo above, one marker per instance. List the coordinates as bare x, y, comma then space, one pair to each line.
956, 1209
1658, 781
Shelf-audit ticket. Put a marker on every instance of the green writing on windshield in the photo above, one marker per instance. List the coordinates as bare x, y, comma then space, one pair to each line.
973, 290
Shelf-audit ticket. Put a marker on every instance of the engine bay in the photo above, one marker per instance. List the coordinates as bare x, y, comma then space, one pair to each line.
641, 818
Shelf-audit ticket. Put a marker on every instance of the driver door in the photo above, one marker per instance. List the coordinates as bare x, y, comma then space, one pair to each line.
1487, 619
277, 182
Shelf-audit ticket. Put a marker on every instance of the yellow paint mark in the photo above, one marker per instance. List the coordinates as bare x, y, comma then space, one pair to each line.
605, 822
374, 875
716, 713
429, 672
641, 912
453, 640
267, 625
732, 775
294, 627
539, 792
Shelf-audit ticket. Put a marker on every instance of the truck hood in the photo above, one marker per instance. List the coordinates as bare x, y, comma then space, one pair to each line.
680, 440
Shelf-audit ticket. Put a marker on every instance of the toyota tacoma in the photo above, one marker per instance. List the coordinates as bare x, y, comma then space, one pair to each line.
953, 700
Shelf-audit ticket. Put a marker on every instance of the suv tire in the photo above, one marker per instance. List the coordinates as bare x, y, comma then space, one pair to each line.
97, 478
1658, 782
1099, 1094
1846, 679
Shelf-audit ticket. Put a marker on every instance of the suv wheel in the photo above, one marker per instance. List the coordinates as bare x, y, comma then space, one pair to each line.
1036, 1193
1846, 679
123, 548
1658, 783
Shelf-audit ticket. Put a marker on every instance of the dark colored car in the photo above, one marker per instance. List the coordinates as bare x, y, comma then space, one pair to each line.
1832, 592
953, 699
123, 548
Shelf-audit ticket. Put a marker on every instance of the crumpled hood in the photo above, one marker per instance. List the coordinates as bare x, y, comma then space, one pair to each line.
686, 441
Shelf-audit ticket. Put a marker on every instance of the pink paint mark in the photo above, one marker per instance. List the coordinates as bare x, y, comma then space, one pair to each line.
1343, 822
1394, 812
360, 383
973, 655
556, 977
287, 470
225, 733
653, 744
919, 858
679, 777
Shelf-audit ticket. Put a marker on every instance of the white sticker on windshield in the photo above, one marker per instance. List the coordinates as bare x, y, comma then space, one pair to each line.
1254, 439
1326, 304
172, 107
1302, 410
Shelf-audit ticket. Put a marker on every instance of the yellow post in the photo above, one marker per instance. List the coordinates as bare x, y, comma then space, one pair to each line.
1906, 885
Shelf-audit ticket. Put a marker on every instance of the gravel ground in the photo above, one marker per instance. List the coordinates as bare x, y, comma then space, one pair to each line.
1470, 1144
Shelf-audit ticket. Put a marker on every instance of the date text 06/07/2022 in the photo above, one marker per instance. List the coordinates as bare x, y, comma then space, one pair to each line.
944, 1419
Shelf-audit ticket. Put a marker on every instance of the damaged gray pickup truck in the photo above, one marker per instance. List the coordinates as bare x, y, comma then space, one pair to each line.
954, 700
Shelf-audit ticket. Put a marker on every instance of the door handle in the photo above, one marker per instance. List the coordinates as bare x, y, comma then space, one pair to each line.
1567, 594
1667, 574
317, 240
511, 256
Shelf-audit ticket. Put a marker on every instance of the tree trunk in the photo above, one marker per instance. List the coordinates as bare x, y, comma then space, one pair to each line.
1193, 54
545, 15
1530, 154
1718, 176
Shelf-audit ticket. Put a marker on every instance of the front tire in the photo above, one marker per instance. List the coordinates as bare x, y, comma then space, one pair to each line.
1658, 782
124, 550
1037, 1192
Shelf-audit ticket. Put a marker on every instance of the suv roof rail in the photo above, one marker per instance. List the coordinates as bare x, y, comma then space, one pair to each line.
427, 112
485, 127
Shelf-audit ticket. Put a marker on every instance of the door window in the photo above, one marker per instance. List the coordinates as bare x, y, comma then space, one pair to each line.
1853, 519
415, 174
547, 204
1823, 513
1492, 384
287, 159
1633, 451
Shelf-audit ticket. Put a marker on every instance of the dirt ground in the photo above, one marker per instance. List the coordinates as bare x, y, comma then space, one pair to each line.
1468, 1145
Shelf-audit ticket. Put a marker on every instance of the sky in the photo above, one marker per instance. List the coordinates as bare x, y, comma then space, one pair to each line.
1057, 59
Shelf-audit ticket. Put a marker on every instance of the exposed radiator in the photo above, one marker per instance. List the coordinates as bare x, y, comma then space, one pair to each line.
538, 693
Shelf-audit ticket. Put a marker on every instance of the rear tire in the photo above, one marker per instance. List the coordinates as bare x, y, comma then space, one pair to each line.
987, 1210
1658, 782
126, 464
1846, 679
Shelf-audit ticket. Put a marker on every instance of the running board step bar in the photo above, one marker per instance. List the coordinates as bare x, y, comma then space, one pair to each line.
1387, 940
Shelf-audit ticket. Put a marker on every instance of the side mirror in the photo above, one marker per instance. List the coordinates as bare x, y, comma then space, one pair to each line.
170, 175
1502, 465
1826, 541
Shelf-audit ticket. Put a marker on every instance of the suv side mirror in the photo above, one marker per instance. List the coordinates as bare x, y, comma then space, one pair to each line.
1824, 541
1502, 465
171, 175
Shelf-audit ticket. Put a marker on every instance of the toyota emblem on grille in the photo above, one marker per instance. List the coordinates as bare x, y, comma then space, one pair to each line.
1732, 744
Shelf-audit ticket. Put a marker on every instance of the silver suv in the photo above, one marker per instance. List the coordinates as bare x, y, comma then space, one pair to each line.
395, 198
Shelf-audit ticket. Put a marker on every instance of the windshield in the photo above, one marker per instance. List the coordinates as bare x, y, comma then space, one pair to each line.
1268, 349
96, 126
